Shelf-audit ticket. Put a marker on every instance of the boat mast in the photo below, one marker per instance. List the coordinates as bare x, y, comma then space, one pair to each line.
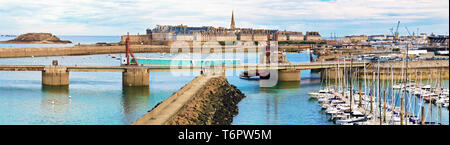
336, 77
392, 89
344, 78
350, 78
360, 95
407, 81
371, 98
365, 78
431, 90
401, 112
379, 91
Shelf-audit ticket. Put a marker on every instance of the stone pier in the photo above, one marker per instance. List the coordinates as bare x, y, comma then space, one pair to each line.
289, 75
206, 100
398, 73
135, 77
55, 76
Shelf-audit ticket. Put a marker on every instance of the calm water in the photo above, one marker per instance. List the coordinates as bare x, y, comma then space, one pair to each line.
99, 98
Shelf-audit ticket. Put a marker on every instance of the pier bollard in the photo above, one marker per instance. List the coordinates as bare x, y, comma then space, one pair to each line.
135, 77
55, 76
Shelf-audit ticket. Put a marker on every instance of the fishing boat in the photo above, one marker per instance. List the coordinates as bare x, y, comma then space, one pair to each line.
429, 99
254, 74
397, 86
351, 120
427, 87
322, 92
314, 94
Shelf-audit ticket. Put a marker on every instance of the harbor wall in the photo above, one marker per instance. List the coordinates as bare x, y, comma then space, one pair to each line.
155, 47
416, 70
92, 49
77, 50
205, 100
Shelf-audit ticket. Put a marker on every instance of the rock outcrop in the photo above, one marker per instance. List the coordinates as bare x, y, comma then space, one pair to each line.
215, 104
206, 100
40, 38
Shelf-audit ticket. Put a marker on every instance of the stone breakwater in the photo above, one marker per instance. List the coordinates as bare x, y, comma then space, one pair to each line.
77, 50
206, 100
93, 49
424, 69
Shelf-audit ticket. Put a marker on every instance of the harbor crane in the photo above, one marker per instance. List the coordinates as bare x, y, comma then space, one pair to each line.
412, 36
392, 31
129, 52
396, 35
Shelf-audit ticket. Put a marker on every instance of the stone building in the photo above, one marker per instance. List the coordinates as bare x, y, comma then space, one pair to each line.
137, 39
356, 38
313, 36
209, 33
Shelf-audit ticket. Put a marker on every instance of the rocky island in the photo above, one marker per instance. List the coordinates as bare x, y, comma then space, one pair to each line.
36, 38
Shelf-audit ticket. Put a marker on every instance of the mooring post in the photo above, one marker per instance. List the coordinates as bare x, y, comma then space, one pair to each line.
423, 116
135, 77
55, 75
401, 112
289, 75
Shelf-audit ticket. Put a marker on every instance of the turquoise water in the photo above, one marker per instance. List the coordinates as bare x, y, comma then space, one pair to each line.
183, 62
287, 103
99, 98
96, 98
74, 39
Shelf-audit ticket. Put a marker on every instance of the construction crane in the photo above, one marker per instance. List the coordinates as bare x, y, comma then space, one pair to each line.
396, 35
412, 36
128, 52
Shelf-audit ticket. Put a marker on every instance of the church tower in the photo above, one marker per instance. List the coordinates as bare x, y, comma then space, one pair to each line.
232, 26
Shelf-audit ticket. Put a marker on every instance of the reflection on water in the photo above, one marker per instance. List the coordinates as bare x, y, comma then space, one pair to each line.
272, 102
287, 85
55, 99
272, 105
286, 103
99, 98
134, 99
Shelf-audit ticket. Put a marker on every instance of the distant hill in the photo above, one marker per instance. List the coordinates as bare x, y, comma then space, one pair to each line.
40, 38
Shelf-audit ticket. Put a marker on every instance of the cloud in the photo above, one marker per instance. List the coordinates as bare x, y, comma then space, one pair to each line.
96, 17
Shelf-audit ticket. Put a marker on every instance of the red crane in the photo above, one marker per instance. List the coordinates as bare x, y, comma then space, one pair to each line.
128, 50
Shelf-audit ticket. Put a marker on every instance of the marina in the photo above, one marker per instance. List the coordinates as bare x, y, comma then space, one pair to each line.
334, 103
383, 101
280, 71
225, 72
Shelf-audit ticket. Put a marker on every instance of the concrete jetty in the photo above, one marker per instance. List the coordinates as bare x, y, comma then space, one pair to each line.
96, 49
77, 50
55, 75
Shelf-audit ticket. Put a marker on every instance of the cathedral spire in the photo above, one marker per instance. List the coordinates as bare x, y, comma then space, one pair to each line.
232, 26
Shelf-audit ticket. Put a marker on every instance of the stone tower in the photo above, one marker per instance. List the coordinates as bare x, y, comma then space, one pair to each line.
232, 26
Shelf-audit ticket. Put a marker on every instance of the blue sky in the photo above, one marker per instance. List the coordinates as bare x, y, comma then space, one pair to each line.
116, 17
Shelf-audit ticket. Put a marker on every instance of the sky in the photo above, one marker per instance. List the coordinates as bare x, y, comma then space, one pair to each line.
117, 17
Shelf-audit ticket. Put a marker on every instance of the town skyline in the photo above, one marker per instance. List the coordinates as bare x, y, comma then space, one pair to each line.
92, 17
